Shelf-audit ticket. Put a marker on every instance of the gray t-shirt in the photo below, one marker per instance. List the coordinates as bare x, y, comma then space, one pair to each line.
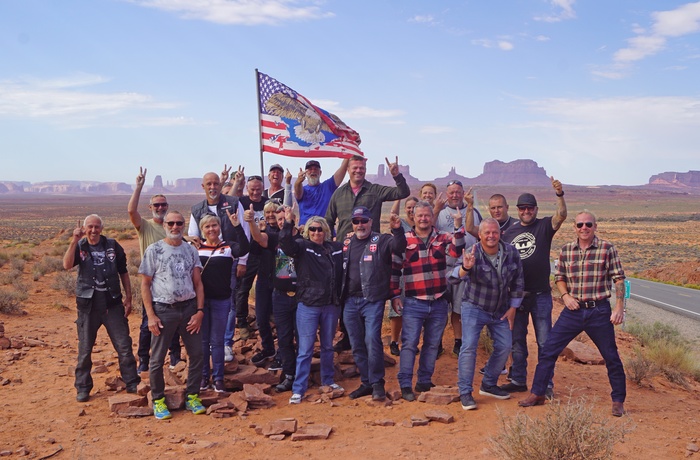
445, 223
171, 269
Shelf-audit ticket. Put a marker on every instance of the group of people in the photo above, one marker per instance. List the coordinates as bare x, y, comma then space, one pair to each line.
318, 261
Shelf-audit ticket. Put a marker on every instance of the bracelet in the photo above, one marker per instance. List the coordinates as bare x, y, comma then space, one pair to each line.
464, 268
560, 195
562, 296
200, 309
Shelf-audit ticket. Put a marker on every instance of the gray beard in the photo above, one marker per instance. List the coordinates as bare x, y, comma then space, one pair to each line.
314, 181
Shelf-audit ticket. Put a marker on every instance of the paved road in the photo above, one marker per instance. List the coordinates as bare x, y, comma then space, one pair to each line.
677, 299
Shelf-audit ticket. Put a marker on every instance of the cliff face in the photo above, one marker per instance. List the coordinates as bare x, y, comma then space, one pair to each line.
518, 172
676, 179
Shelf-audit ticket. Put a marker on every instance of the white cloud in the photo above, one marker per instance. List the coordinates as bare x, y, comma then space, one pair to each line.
435, 129
240, 12
503, 45
423, 19
355, 112
564, 11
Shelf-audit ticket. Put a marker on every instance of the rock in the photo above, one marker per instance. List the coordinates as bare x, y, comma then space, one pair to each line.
345, 357
124, 400
210, 397
100, 369
315, 431
332, 393
393, 395
419, 420
389, 360
115, 383
231, 367
582, 353
239, 402
439, 416
249, 375
174, 397
171, 379
16, 342
194, 446
134, 411
440, 399
143, 388
349, 371
276, 437
256, 397
282, 426
692, 447
385, 422
4, 343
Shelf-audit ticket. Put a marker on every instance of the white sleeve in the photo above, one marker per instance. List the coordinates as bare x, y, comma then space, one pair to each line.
193, 229
246, 229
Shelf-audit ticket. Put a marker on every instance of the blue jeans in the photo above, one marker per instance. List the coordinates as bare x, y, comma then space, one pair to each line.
231, 320
539, 306
213, 328
363, 320
175, 318
596, 323
473, 321
284, 309
308, 321
263, 314
429, 316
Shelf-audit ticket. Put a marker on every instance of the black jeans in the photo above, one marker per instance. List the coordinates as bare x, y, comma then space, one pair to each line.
243, 286
144, 349
284, 308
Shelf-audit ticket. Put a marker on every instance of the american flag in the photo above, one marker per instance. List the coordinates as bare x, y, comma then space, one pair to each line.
291, 125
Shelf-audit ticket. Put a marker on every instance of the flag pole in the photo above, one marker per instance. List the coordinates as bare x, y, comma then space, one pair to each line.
257, 89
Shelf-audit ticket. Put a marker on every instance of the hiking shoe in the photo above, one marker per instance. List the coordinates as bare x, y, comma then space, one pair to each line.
143, 367
457, 347
204, 384
407, 394
82, 396
131, 388
423, 387
467, 401
219, 386
342, 345
259, 359
378, 392
482, 371
295, 399
286, 384
173, 361
194, 404
275, 365
362, 390
160, 410
244, 333
513, 388
394, 349
549, 393
228, 354
336, 387
494, 391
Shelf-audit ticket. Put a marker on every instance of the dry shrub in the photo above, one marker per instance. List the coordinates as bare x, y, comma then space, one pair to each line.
640, 368
24, 255
47, 265
648, 334
136, 301
674, 360
569, 430
133, 259
65, 281
11, 301
4, 257
9, 277
18, 264
58, 250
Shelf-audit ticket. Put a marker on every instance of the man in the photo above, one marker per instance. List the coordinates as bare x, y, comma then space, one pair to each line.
498, 208
149, 231
493, 277
461, 203
102, 264
173, 295
313, 198
218, 204
359, 192
587, 268
532, 237
368, 269
275, 191
425, 286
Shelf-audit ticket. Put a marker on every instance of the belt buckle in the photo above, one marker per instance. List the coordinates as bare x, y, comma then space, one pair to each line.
590, 303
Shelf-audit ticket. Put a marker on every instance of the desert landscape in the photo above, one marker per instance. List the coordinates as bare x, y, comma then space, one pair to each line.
656, 233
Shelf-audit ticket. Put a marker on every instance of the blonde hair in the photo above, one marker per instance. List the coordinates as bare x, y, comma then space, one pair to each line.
205, 219
322, 222
270, 206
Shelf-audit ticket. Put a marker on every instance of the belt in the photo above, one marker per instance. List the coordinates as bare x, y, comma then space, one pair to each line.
592, 303
182, 304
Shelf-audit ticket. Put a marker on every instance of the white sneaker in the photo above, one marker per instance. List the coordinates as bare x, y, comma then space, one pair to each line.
295, 399
228, 354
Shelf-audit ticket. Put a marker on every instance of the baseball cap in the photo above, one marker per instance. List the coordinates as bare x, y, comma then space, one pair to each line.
276, 166
311, 163
361, 212
526, 199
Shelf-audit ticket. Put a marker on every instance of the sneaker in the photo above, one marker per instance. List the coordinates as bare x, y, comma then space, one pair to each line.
194, 404
219, 386
286, 384
143, 367
342, 345
131, 388
228, 354
295, 399
160, 410
378, 392
394, 349
244, 333
259, 359
423, 387
275, 365
549, 393
514, 388
363, 390
407, 394
467, 401
82, 396
173, 362
204, 384
482, 371
336, 387
457, 347
494, 391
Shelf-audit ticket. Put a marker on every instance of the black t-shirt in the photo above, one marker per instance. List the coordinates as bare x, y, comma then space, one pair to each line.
98, 259
259, 215
357, 248
534, 242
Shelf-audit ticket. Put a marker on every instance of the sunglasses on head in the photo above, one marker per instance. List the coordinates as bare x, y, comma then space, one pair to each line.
526, 208
359, 221
454, 182
175, 223
255, 178
159, 205
315, 229
581, 224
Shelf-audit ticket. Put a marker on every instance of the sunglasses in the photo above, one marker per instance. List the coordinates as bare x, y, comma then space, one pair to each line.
453, 182
359, 221
255, 178
581, 224
175, 223
315, 229
159, 205
526, 208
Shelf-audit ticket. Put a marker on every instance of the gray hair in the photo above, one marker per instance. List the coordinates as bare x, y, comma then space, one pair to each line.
422, 204
96, 217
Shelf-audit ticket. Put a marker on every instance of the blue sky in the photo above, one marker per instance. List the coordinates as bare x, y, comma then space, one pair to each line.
595, 92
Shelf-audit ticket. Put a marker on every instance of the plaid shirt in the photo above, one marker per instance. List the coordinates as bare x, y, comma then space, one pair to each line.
589, 273
493, 289
425, 265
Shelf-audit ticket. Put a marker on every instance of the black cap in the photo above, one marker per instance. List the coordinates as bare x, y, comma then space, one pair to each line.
276, 166
361, 212
311, 163
526, 199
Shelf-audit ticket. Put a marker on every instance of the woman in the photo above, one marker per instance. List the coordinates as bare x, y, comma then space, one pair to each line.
319, 267
217, 259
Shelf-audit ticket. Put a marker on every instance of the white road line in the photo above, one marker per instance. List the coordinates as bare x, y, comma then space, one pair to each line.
668, 305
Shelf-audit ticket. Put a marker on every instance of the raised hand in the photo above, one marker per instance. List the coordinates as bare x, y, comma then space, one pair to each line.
468, 258
440, 200
225, 173
393, 167
79, 231
141, 178
394, 220
556, 185
233, 218
288, 177
301, 176
469, 197
249, 214
240, 174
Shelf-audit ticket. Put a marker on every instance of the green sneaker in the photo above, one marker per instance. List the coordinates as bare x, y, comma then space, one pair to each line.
160, 410
195, 404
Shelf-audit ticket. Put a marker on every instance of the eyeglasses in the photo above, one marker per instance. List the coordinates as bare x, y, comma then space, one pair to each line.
581, 224
159, 205
175, 223
315, 229
359, 221
526, 208
454, 182
255, 178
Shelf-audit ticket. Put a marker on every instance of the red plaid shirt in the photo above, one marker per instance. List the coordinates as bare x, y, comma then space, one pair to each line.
425, 265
